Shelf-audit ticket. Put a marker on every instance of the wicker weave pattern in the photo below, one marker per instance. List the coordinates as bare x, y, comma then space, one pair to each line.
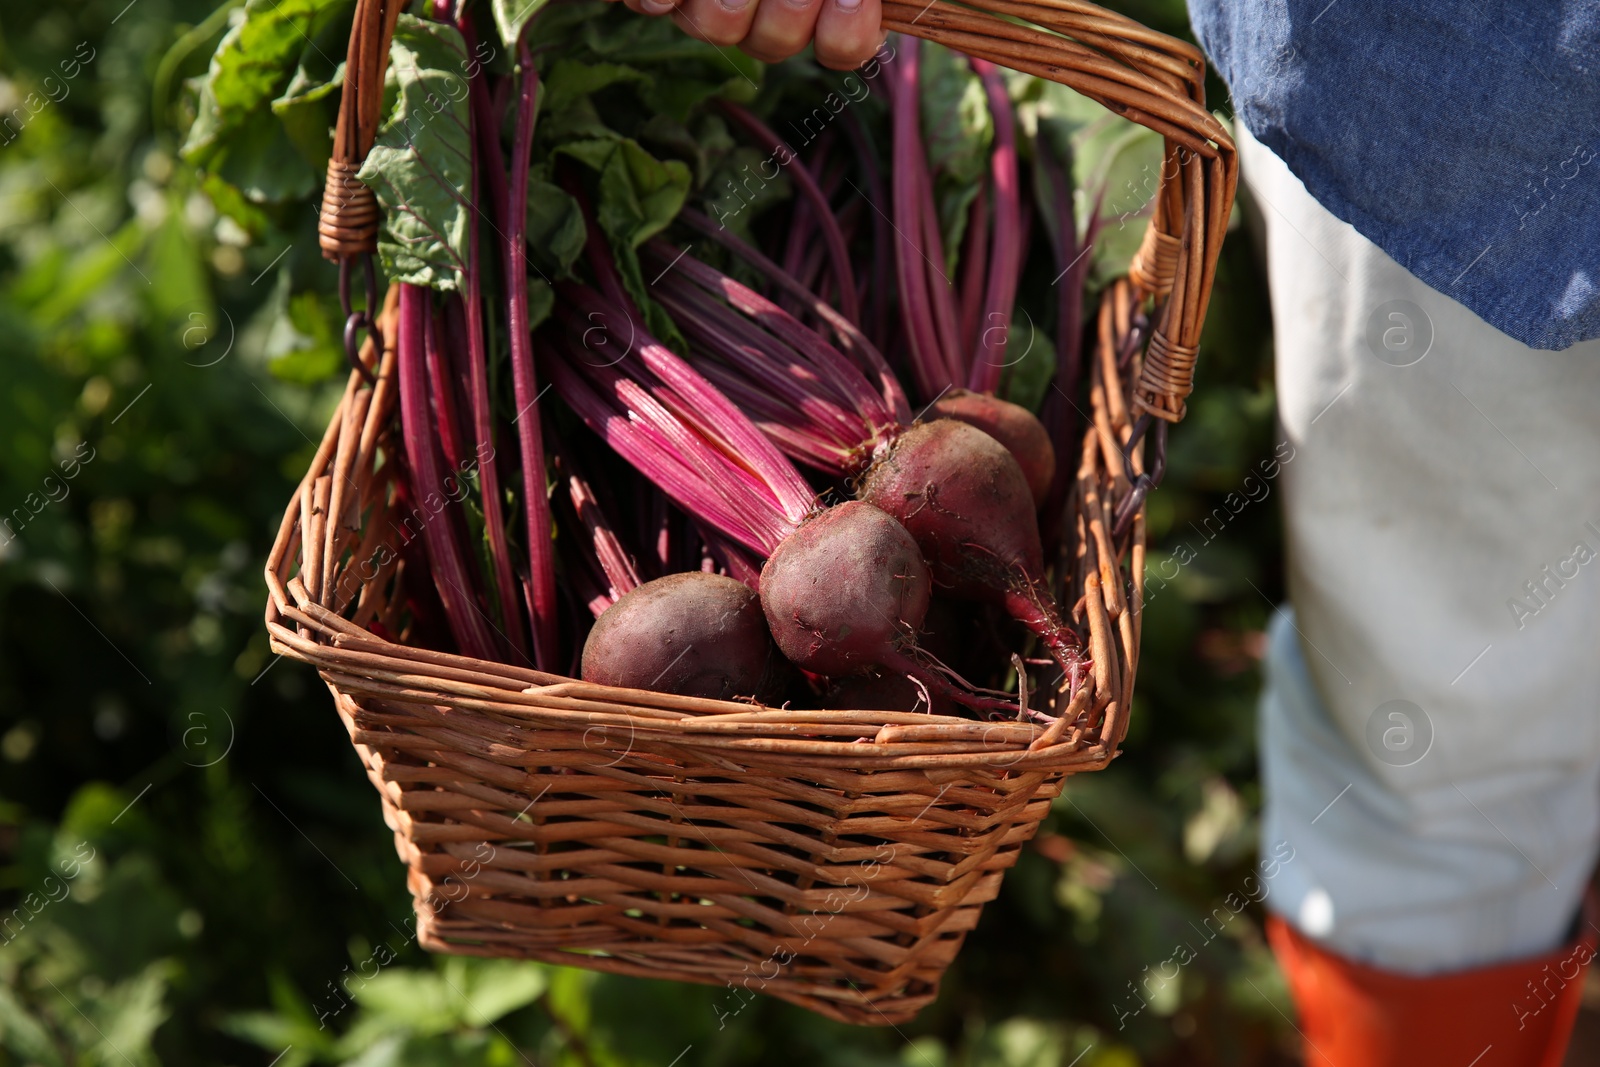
347, 224
835, 859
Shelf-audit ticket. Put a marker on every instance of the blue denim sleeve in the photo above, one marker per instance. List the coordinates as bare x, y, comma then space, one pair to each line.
1462, 138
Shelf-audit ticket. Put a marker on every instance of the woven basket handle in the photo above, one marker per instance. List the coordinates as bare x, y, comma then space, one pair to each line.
347, 225
1149, 78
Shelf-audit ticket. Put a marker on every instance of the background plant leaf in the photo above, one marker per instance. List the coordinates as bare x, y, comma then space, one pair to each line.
254, 62
136, 602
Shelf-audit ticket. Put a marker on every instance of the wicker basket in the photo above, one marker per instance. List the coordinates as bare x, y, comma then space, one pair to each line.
835, 859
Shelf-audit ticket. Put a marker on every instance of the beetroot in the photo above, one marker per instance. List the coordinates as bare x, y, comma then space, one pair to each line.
694, 634
965, 500
846, 591
1013, 426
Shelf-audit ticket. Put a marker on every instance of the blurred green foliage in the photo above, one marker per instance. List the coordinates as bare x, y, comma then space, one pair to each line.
192, 866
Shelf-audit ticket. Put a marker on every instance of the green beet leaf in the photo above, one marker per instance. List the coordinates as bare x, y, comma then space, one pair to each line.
511, 15
264, 165
638, 197
746, 182
308, 106
1111, 158
570, 80
420, 166
555, 227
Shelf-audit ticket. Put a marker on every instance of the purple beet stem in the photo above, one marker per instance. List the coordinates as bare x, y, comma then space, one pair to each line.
989, 356
1007, 247
446, 405
839, 373
838, 254
541, 562
881, 277
446, 557
677, 429
850, 339
482, 126
973, 268
928, 365
1073, 257
603, 544
643, 434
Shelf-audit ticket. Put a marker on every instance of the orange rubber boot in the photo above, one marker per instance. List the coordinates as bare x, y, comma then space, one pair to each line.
1509, 1015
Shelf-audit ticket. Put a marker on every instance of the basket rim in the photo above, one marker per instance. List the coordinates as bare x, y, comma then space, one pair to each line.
358, 662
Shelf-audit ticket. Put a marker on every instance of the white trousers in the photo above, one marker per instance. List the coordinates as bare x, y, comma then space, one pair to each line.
1429, 738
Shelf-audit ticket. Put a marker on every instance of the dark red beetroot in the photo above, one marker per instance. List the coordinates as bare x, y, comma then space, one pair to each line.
846, 591
1013, 426
965, 500
694, 634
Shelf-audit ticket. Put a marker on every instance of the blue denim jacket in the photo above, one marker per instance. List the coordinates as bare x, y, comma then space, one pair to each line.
1462, 138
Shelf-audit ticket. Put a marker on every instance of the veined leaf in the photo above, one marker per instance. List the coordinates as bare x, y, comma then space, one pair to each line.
1112, 159
957, 128
570, 80
700, 70
421, 164
554, 227
639, 196
511, 15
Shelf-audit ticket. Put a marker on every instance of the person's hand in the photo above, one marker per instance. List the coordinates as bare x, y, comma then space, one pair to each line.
846, 32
